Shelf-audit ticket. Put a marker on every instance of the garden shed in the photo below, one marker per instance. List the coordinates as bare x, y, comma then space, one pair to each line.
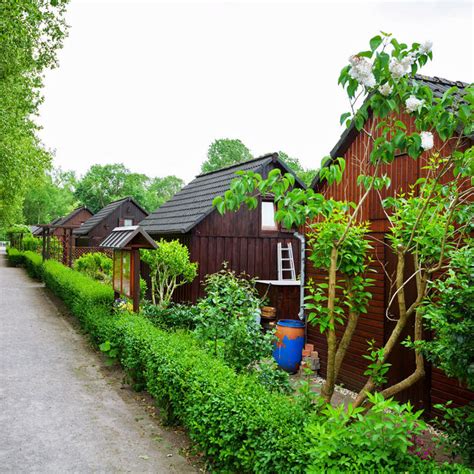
247, 240
75, 218
436, 387
123, 212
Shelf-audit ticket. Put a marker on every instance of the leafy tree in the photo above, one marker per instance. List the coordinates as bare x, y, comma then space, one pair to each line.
426, 224
50, 196
225, 152
449, 312
161, 190
103, 184
31, 33
306, 175
170, 268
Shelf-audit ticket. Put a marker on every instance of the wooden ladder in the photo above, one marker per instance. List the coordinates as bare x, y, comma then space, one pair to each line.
288, 258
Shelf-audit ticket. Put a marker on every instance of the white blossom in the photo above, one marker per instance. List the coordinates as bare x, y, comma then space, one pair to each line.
426, 140
386, 89
408, 60
413, 104
361, 71
397, 68
426, 47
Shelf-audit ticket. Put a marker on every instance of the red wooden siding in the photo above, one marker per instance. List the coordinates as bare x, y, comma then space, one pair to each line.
404, 171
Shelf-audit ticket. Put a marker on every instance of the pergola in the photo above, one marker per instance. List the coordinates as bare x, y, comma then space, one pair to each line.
126, 243
47, 231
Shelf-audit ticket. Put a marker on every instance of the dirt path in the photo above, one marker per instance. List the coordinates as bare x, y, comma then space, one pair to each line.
60, 411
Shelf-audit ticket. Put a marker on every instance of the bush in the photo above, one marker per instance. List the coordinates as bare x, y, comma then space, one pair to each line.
32, 243
15, 257
175, 316
170, 268
95, 265
240, 426
228, 320
33, 264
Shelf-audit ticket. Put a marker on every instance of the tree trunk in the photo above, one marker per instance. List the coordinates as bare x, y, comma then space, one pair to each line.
328, 387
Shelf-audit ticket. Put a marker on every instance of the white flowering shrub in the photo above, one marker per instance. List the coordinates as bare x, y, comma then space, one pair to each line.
427, 222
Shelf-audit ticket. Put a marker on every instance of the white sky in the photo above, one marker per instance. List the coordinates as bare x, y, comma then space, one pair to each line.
152, 84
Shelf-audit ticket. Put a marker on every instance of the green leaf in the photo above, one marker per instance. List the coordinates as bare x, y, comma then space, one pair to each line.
375, 42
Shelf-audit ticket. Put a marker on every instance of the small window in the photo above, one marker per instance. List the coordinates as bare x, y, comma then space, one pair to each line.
268, 216
127, 222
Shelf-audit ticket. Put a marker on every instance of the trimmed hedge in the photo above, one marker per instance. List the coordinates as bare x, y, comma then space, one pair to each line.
240, 426
15, 257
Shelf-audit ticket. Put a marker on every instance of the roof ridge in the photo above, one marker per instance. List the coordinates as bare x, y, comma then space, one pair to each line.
440, 80
235, 165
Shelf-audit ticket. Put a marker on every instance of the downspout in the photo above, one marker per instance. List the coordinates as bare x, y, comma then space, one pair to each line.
302, 239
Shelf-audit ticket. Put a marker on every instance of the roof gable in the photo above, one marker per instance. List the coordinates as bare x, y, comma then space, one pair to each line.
96, 219
437, 84
193, 203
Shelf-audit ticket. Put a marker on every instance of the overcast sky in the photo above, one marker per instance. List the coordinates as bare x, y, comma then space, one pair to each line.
152, 84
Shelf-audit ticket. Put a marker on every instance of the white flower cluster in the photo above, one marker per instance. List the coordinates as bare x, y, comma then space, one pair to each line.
426, 140
386, 89
413, 104
399, 67
361, 71
426, 47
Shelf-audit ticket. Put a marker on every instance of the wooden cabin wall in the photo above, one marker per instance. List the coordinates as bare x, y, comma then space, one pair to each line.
77, 219
404, 171
235, 238
127, 210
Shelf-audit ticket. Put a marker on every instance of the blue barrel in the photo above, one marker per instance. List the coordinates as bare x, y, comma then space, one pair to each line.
289, 347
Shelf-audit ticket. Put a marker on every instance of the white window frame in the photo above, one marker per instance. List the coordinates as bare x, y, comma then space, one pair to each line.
264, 219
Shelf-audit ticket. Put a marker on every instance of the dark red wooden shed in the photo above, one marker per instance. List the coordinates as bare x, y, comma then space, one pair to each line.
247, 240
123, 212
436, 387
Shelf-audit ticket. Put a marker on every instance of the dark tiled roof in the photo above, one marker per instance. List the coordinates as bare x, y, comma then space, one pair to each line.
102, 214
193, 203
437, 84
64, 220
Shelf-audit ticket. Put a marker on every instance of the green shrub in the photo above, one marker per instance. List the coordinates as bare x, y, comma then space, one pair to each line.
15, 257
32, 243
458, 425
170, 268
95, 265
175, 316
34, 264
79, 292
228, 315
239, 425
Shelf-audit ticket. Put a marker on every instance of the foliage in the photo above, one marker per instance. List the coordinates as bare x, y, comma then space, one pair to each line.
170, 268
103, 184
449, 313
50, 196
175, 316
15, 257
95, 265
229, 319
238, 424
425, 223
457, 425
110, 351
31, 34
306, 175
272, 377
348, 440
225, 152
29, 242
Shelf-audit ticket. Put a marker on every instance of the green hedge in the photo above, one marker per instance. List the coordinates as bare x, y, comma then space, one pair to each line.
233, 419
15, 257
33, 263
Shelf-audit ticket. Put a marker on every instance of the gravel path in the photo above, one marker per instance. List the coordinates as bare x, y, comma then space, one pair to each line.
59, 409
